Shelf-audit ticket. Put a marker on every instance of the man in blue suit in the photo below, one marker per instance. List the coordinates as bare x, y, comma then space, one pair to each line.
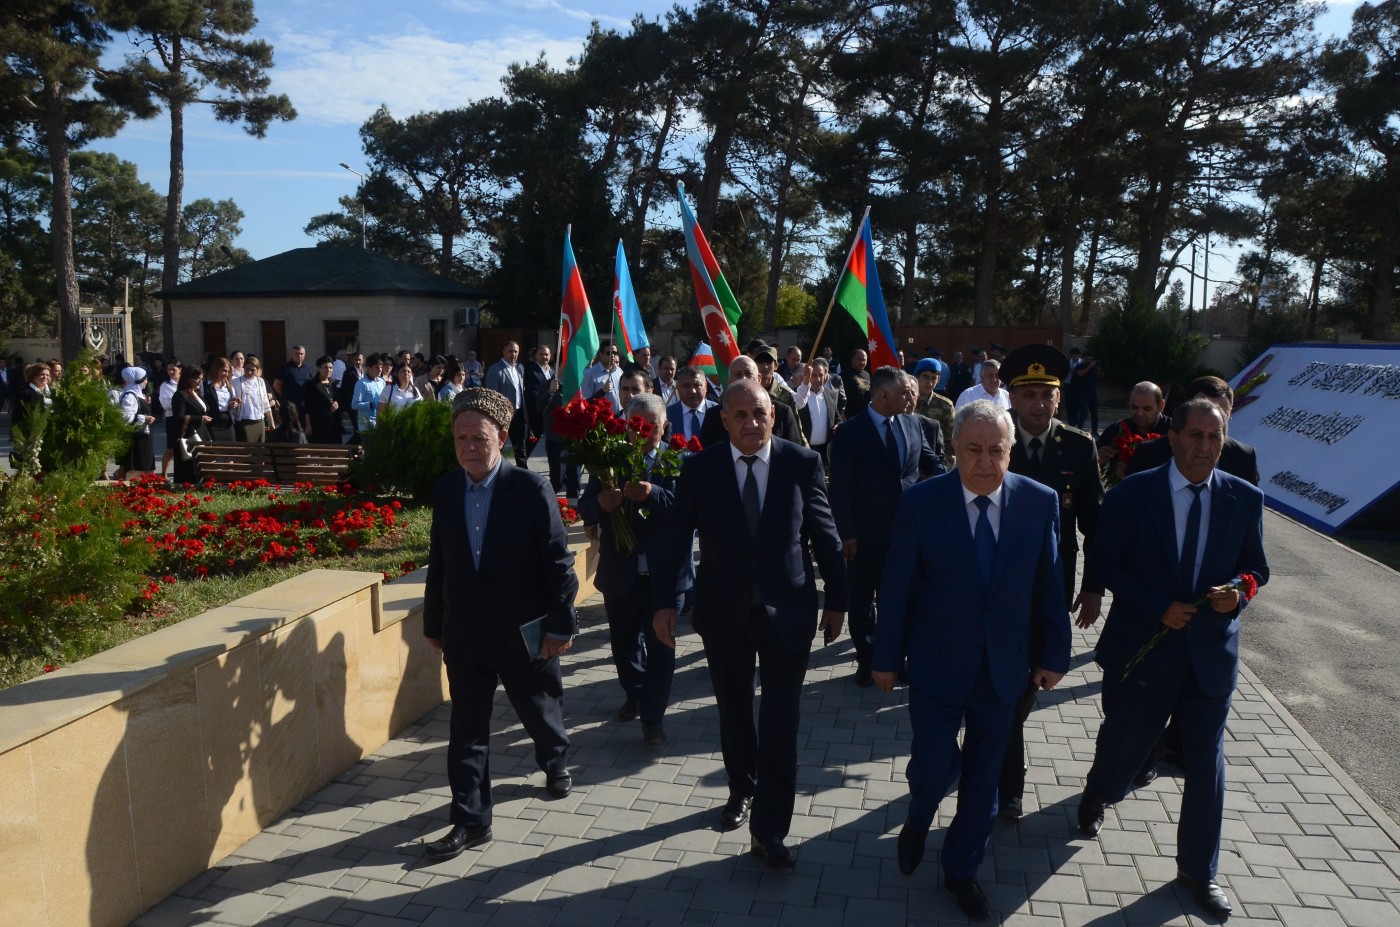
759, 506
875, 457
687, 414
499, 604
961, 605
1170, 542
644, 667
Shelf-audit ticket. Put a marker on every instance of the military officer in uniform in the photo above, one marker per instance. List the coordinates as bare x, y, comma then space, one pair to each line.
1066, 460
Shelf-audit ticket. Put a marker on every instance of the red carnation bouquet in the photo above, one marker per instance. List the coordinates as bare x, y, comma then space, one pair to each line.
1126, 444
612, 448
1245, 584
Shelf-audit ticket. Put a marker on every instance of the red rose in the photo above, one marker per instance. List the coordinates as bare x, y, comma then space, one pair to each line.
694, 444
678, 443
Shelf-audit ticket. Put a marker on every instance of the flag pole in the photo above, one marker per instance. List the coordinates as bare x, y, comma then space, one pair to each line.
832, 302
559, 335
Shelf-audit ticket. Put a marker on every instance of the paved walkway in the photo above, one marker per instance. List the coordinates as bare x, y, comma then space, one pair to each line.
637, 842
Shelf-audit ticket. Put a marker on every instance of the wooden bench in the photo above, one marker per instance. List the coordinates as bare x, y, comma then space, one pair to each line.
283, 464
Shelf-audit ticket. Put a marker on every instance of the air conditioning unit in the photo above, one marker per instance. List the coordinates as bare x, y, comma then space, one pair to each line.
465, 317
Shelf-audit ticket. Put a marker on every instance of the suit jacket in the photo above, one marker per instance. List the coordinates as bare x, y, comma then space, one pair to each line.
1069, 464
712, 429
536, 385
676, 413
936, 609
865, 486
1236, 458
498, 380
346, 390
617, 570
733, 563
834, 401
1136, 553
933, 434
526, 571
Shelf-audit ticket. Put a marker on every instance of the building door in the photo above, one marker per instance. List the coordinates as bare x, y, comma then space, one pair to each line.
215, 341
274, 347
437, 337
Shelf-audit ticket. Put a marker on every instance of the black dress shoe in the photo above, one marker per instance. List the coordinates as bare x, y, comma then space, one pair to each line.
773, 853
653, 734
736, 813
629, 710
864, 678
1145, 778
972, 901
1208, 894
1011, 809
559, 785
1090, 815
458, 839
911, 847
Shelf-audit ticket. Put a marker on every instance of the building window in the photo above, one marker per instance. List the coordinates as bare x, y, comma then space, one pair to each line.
342, 334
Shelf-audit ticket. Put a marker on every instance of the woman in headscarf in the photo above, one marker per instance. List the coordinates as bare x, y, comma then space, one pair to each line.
322, 411
189, 420
165, 398
136, 410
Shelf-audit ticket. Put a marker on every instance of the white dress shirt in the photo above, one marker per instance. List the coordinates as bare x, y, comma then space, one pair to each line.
252, 393
760, 470
691, 426
973, 393
993, 511
1181, 510
814, 401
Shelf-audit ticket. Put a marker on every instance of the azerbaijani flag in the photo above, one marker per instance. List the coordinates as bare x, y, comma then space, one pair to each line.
719, 310
703, 358
629, 315
578, 334
858, 292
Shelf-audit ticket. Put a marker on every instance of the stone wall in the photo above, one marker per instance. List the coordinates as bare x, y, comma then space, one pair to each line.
127, 774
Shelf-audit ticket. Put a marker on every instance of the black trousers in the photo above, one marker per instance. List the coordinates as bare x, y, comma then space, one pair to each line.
864, 577
536, 691
518, 438
761, 762
645, 666
563, 474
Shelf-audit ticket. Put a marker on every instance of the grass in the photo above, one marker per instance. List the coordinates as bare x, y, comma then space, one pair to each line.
1385, 551
407, 541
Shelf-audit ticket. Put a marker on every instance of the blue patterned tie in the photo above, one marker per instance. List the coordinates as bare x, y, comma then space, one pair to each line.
1192, 539
985, 539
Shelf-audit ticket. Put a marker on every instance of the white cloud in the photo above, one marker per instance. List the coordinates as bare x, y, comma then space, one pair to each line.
342, 80
554, 6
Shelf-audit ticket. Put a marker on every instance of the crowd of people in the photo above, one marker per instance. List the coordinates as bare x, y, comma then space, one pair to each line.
960, 528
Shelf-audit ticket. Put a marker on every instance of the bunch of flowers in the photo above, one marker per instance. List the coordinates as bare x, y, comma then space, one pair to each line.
567, 513
614, 451
1126, 444
681, 445
1246, 584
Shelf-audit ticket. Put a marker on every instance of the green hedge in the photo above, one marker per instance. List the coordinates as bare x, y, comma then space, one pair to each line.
407, 451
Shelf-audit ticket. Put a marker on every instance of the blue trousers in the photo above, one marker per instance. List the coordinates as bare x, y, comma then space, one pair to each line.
936, 763
1135, 712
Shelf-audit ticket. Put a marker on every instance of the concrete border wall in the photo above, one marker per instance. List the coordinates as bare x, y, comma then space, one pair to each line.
127, 774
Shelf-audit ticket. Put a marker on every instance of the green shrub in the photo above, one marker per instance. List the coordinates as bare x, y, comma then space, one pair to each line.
407, 451
1136, 342
84, 429
64, 566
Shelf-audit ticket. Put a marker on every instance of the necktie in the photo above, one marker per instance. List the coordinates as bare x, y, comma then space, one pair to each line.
891, 445
751, 507
694, 424
1192, 539
984, 538
1035, 451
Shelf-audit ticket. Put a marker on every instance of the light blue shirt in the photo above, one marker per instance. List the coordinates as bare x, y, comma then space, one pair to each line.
880, 430
1181, 510
478, 509
365, 400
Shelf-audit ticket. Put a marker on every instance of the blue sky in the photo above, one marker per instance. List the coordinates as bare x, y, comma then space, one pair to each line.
338, 61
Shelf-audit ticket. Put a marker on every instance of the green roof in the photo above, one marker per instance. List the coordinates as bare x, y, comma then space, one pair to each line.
330, 270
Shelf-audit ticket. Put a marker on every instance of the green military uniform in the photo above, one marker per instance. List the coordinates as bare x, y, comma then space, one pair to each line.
941, 411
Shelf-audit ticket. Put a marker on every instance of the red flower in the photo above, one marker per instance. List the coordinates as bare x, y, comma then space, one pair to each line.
694, 444
49, 667
408, 566
678, 443
1249, 586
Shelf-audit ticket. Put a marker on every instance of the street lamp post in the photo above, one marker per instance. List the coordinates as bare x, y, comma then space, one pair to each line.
360, 196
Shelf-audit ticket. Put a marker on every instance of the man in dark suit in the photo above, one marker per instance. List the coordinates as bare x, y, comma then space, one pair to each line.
874, 457
500, 610
1062, 458
1236, 458
687, 414
538, 375
760, 508
644, 667
1145, 417
961, 604
818, 406
507, 377
743, 367
345, 392
1170, 542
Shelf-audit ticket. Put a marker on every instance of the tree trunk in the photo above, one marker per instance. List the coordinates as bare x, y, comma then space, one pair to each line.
1090, 266
911, 267
1387, 253
174, 200
1315, 293
658, 151
70, 326
993, 172
1068, 248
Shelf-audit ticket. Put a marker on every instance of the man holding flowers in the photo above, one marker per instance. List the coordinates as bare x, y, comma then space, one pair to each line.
1180, 547
639, 490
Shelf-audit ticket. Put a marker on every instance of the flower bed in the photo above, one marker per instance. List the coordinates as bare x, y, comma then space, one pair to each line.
75, 559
